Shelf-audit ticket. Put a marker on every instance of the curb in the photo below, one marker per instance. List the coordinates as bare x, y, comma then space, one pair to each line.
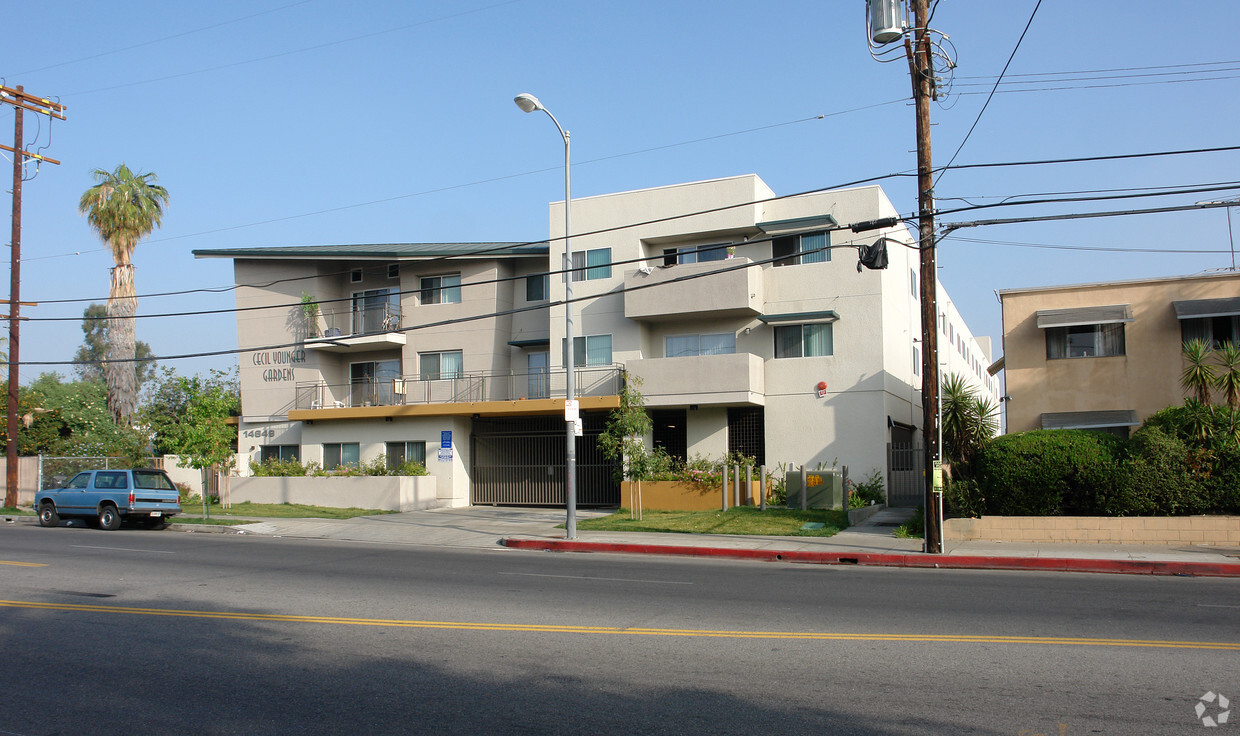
867, 559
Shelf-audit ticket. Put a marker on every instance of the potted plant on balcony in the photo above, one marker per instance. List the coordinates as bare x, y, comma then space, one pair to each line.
731, 251
310, 311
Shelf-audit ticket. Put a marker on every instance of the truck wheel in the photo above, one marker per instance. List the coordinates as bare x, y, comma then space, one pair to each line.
48, 515
109, 518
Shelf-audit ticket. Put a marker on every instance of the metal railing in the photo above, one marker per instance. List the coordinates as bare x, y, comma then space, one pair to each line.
370, 319
459, 387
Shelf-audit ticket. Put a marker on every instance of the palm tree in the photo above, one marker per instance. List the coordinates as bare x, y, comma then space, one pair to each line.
1228, 380
1198, 375
968, 422
123, 207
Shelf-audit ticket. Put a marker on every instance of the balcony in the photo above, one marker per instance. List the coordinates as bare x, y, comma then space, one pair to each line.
463, 393
673, 292
362, 328
731, 379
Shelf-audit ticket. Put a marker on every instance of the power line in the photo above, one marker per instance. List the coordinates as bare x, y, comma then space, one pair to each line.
992, 91
293, 52
1117, 69
1084, 248
161, 39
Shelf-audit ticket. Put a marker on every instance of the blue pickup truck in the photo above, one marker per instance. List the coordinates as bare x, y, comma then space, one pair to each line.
110, 497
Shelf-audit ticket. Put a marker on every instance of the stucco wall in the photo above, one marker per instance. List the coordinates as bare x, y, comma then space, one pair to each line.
386, 493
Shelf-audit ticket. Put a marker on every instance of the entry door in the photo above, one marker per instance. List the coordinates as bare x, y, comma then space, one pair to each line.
539, 374
371, 310
373, 382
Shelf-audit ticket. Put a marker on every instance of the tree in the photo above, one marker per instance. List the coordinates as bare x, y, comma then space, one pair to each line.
123, 207
969, 420
622, 440
1228, 379
95, 347
71, 418
188, 415
1198, 375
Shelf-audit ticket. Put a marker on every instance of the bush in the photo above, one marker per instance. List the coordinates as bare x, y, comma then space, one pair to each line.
963, 498
275, 467
1048, 472
867, 491
1159, 477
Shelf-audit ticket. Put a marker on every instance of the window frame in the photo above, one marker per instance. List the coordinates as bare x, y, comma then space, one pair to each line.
1060, 346
591, 264
731, 339
439, 374
783, 255
341, 461
581, 347
538, 285
801, 341
437, 292
405, 445
279, 454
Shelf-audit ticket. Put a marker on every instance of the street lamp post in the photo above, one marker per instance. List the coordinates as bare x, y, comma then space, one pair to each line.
530, 103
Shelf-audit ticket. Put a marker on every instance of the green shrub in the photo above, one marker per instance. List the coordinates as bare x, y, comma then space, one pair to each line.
1048, 472
1159, 478
867, 491
274, 467
963, 498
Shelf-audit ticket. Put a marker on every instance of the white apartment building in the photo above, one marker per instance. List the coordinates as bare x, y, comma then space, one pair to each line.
743, 313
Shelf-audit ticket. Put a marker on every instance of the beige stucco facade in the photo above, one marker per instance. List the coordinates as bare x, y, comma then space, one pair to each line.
641, 291
1142, 380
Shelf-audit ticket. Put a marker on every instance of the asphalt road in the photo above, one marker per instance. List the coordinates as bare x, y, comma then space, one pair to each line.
169, 632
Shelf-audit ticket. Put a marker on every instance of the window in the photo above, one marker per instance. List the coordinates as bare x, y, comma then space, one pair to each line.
803, 341
441, 289
536, 288
912, 280
355, 276
591, 350
680, 346
112, 479
538, 375
402, 452
393, 270
916, 361
747, 432
437, 366
792, 250
1214, 330
695, 254
669, 432
277, 452
80, 481
340, 455
376, 310
1085, 341
592, 264
373, 383
152, 480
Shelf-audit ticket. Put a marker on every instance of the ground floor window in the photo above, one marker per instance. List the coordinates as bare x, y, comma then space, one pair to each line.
340, 454
747, 432
402, 452
278, 452
669, 432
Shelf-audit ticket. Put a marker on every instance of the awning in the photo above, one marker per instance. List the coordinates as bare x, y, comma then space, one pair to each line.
798, 225
1202, 308
800, 317
536, 342
1084, 316
1090, 419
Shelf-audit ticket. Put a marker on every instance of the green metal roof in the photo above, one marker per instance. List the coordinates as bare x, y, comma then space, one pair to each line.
386, 251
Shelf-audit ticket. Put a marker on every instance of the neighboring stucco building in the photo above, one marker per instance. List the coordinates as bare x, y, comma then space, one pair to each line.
736, 308
1106, 356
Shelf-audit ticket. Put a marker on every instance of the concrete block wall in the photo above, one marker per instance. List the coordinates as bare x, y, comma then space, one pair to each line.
1223, 531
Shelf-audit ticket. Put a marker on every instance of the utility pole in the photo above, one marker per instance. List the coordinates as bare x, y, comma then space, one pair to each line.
20, 101
921, 67
884, 24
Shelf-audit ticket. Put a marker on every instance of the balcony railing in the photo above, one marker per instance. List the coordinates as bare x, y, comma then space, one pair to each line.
370, 319
461, 387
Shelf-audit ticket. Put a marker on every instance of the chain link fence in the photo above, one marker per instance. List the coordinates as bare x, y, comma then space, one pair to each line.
54, 472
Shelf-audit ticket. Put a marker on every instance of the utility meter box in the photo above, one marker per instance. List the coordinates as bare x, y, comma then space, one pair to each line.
823, 489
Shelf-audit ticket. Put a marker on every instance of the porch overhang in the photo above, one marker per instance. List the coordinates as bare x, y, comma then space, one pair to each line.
520, 407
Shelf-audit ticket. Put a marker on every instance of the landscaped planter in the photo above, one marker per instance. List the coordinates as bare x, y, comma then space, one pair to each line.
1212, 530
674, 495
385, 492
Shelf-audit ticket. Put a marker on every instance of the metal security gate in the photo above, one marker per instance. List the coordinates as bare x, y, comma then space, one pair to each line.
519, 461
905, 487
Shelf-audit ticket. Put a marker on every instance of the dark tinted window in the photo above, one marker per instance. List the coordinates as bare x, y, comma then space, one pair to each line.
152, 480
113, 479
81, 480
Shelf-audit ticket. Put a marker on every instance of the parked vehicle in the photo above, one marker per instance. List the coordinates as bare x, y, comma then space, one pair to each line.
144, 496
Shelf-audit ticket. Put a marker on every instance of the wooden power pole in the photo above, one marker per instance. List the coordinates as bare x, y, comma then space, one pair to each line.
921, 67
20, 101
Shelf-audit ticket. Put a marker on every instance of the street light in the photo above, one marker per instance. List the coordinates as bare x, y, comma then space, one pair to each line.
530, 103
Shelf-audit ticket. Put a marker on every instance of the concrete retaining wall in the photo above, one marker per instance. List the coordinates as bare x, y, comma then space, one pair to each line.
668, 495
1208, 530
388, 493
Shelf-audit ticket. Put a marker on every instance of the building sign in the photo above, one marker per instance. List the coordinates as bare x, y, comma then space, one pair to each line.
445, 454
445, 439
280, 363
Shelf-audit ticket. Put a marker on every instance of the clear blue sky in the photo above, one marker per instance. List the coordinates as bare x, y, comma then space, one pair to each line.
276, 122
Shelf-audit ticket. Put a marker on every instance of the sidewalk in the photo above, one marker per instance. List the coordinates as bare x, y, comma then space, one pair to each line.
869, 543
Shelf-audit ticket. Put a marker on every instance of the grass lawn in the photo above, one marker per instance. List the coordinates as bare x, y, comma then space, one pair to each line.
274, 510
736, 520
10, 511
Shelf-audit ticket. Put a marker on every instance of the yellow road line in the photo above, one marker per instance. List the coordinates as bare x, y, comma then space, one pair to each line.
626, 631
23, 564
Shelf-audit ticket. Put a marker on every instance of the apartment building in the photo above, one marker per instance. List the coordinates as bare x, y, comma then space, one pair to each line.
745, 315
1105, 356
